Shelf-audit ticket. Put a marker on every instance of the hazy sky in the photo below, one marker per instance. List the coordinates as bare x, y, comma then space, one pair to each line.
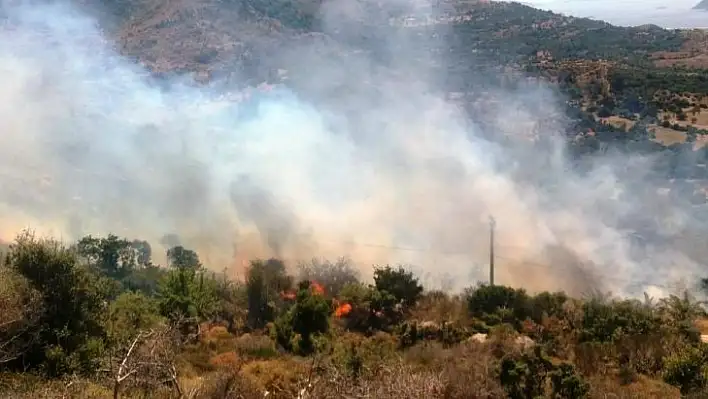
669, 14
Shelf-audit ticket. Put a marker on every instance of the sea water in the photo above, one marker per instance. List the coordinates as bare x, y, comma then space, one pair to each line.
675, 14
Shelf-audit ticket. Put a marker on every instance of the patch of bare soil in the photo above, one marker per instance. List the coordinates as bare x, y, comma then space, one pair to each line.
693, 54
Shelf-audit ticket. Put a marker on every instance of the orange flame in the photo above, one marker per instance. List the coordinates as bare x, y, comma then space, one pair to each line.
343, 310
288, 295
317, 288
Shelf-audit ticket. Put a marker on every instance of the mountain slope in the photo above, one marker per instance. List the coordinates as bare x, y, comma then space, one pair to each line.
209, 36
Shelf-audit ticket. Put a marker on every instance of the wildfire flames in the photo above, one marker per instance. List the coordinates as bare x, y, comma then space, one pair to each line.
315, 287
342, 310
290, 295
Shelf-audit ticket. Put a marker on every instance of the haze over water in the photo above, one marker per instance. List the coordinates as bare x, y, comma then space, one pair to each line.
675, 14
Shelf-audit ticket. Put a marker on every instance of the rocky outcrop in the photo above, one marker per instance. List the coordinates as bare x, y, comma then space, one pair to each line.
522, 341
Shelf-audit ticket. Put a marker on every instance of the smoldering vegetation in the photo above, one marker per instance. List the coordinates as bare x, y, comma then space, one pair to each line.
357, 151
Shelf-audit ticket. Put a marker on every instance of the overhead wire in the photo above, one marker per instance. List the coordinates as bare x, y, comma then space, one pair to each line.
525, 262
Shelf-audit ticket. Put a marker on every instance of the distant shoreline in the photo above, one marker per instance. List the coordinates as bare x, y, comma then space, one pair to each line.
626, 15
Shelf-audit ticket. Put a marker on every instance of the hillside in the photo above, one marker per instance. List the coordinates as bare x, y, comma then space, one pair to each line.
208, 35
249, 42
703, 5
254, 40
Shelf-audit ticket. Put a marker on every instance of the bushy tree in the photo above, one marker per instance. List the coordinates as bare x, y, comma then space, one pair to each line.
496, 304
20, 309
603, 321
687, 369
524, 376
180, 257
399, 283
232, 302
679, 314
332, 275
126, 261
371, 310
115, 257
547, 304
308, 317
265, 281
187, 296
567, 383
145, 279
70, 329
129, 314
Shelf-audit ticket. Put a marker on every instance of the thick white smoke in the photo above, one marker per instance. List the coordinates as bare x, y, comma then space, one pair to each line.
89, 145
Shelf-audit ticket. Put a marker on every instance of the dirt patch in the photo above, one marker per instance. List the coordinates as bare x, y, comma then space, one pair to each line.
619, 122
702, 326
685, 60
693, 53
667, 136
695, 117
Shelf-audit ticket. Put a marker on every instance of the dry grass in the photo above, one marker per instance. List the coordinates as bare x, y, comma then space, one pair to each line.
225, 385
681, 58
702, 325
425, 371
693, 53
439, 307
283, 377
667, 136
14, 386
468, 369
619, 122
610, 386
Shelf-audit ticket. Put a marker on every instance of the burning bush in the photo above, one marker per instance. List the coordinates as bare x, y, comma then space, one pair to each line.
309, 316
331, 275
369, 309
342, 310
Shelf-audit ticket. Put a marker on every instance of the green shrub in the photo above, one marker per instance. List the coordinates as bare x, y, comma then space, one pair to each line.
309, 316
498, 304
187, 294
130, 313
71, 324
399, 283
410, 333
372, 309
604, 322
567, 383
265, 281
547, 304
687, 369
524, 376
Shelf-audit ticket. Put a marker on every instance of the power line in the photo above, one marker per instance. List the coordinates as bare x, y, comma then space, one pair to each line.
492, 224
605, 277
493, 256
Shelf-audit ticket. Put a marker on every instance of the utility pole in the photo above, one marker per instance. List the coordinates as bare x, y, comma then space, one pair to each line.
492, 224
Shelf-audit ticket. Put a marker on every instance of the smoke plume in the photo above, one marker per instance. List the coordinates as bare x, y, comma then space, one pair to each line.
357, 154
